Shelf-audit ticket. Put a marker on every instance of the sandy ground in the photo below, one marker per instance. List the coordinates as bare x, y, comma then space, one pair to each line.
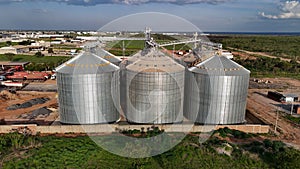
22, 97
266, 109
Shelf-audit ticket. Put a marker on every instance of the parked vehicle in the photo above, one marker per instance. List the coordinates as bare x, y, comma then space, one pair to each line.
53, 77
2, 78
275, 96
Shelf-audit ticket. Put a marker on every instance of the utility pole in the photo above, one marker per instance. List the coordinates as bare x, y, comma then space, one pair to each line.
276, 123
123, 49
292, 107
195, 38
173, 50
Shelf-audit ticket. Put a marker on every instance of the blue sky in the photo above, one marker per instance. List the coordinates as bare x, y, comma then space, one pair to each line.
208, 15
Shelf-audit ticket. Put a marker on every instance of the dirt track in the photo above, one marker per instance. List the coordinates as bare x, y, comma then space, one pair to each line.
240, 53
266, 109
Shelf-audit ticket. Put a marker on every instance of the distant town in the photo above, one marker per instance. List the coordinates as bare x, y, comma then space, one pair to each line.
47, 42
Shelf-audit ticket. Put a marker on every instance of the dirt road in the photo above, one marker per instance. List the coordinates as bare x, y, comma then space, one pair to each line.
260, 53
266, 110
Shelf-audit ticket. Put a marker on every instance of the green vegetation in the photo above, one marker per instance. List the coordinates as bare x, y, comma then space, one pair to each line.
149, 132
38, 63
50, 50
270, 67
19, 151
7, 43
281, 46
65, 47
275, 153
128, 44
226, 132
295, 120
183, 47
30, 58
27, 42
156, 36
133, 46
39, 54
9, 56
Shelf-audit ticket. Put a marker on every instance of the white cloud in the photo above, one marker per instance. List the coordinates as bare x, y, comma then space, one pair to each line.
288, 10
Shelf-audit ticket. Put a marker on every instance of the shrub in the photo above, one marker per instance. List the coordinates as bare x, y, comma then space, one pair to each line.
39, 54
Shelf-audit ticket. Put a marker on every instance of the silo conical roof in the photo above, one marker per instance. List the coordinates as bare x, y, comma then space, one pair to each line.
220, 65
87, 63
154, 61
106, 55
138, 55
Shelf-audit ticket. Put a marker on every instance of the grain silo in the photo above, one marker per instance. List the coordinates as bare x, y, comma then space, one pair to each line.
216, 92
154, 89
106, 55
86, 86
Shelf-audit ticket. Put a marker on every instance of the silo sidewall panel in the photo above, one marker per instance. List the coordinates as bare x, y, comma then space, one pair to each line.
86, 98
220, 99
162, 89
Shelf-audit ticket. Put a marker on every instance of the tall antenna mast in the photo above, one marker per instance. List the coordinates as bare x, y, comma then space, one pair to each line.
148, 34
123, 49
150, 43
195, 38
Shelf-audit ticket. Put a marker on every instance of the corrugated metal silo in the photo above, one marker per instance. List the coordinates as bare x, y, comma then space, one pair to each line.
138, 56
216, 92
154, 89
85, 85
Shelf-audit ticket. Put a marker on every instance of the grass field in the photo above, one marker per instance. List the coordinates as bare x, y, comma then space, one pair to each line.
37, 63
133, 46
270, 67
3, 44
35, 59
281, 46
18, 151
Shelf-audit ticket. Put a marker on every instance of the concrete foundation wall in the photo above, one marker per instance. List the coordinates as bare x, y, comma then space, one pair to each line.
110, 128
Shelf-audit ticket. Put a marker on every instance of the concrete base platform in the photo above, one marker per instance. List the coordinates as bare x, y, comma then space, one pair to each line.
111, 128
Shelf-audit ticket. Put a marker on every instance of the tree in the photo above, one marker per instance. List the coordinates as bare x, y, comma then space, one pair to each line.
50, 50
8, 43
26, 42
38, 54
9, 56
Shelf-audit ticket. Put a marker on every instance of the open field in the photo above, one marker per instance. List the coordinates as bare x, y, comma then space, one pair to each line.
37, 63
225, 149
267, 66
265, 56
35, 59
133, 46
235, 50
3, 44
280, 46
